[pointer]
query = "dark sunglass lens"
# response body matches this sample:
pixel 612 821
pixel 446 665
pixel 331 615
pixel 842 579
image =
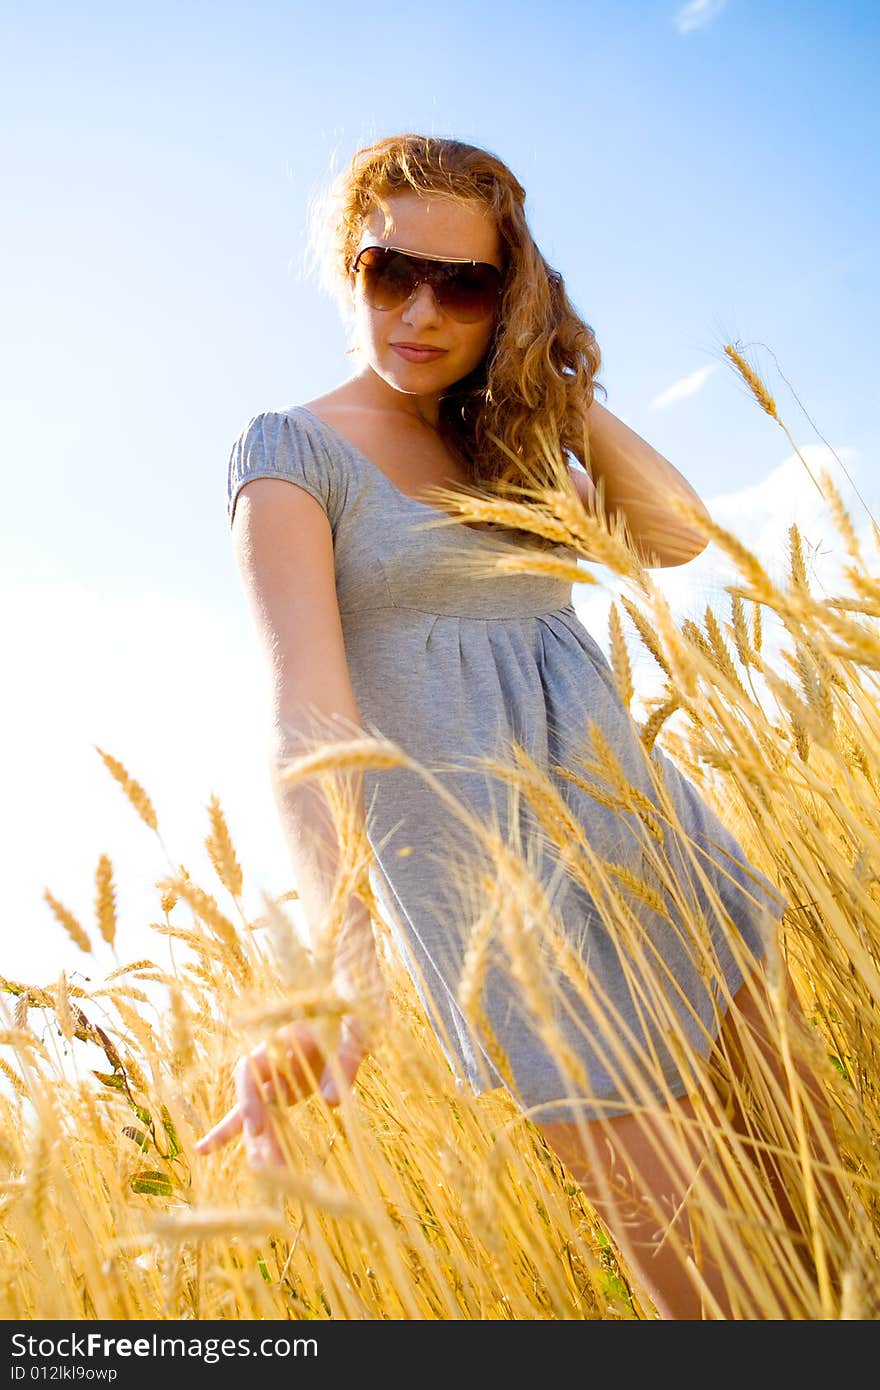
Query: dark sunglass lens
pixel 399 277
pixel 470 292
pixel 388 278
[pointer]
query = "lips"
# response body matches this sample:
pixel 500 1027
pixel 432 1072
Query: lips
pixel 411 352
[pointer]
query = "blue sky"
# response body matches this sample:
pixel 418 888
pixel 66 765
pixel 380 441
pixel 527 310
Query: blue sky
pixel 699 173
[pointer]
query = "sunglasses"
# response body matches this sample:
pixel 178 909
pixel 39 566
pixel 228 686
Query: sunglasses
pixel 465 290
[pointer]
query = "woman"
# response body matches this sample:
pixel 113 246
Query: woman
pixel 472 359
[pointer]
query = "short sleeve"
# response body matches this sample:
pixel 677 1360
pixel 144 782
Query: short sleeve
pixel 278 444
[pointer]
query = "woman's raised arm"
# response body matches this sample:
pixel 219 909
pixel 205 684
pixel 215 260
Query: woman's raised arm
pixel 637 483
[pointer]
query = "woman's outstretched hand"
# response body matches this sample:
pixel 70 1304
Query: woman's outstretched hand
pixel 286 1072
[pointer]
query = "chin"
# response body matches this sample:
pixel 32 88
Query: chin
pixel 416 379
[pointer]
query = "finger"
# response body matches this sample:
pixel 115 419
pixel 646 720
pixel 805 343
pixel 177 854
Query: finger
pixel 264 1151
pixel 234 1120
pixel 222 1132
pixel 298 1064
pixel 352 1046
pixel 263 1076
pixel 252 1089
pixel 349 1055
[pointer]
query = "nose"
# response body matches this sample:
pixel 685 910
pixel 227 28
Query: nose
pixel 421 307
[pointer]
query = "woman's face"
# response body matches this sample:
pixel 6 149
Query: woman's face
pixel 432 226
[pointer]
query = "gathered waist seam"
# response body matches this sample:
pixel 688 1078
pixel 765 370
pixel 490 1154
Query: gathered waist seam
pixel 467 617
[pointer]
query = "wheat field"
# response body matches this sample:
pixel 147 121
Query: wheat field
pixel 411 1199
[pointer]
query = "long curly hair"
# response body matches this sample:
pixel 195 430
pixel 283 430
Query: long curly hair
pixel 526 403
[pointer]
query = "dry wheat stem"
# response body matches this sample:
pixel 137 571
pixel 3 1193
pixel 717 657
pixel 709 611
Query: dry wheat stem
pixel 133 790
pixel 105 900
pixel 221 850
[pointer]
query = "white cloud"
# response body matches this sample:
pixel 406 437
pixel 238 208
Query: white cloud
pixel 684 387
pixel 698 14
pixel 763 514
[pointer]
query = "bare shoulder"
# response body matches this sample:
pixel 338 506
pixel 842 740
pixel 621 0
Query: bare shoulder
pixel 338 400
pixel 268 513
pixel 283 547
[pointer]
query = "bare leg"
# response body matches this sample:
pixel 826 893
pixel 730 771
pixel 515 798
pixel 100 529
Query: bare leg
pixel 656 1178
pixel 631 1173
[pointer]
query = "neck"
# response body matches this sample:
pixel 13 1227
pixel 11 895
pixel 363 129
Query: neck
pixel 376 392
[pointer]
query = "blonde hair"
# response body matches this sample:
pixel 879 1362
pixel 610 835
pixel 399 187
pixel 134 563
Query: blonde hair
pixel 528 399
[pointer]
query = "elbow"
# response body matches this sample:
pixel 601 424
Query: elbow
pixel 688 543
pixel 685 551
pixel 673 548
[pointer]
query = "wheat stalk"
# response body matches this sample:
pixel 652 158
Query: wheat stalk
pixel 74 929
pixel 646 633
pixel 105 900
pixel 221 850
pixel 741 632
pixel 654 723
pixel 133 790
pixel 720 654
pixel 840 516
pixel 767 403
pixel 205 906
pixel 62 1008
pixel 14 1079
pixel 620 662
pixel 353 754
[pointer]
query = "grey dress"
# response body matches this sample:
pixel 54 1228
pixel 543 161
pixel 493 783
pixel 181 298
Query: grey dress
pixel 453 668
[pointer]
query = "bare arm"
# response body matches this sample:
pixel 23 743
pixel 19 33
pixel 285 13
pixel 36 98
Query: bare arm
pixel 636 481
pixel 283 547
pixel 284 550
